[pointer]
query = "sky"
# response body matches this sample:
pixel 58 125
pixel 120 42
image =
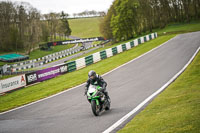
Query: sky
pixel 68 6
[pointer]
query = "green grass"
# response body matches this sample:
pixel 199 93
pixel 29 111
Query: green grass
pixel 96 42
pixel 85 27
pixel 40 53
pixel 6 76
pixel 180 28
pixel 2 63
pixel 58 38
pixel 176 110
pixel 60 83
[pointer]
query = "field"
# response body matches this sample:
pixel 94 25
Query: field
pixel 180 28
pixel 85 27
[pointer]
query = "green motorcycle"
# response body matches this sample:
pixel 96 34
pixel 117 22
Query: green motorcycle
pixel 97 99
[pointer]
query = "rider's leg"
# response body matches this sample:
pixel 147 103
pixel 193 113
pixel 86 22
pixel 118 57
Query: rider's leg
pixel 106 94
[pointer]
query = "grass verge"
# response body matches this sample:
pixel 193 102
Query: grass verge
pixel 180 28
pixel 60 83
pixel 40 53
pixel 176 110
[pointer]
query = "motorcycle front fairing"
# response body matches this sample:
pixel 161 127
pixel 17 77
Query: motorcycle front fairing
pixel 92 93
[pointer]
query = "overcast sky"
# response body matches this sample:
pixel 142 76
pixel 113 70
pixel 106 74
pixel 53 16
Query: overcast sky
pixel 68 6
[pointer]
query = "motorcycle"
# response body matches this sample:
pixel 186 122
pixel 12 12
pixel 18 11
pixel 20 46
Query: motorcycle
pixel 97 99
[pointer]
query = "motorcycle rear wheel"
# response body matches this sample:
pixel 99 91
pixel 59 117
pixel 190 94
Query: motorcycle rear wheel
pixel 108 106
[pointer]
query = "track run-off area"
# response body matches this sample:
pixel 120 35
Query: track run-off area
pixel 128 86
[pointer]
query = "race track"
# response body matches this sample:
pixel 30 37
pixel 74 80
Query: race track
pixel 128 86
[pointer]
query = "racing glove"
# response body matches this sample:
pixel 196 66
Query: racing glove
pixel 85 91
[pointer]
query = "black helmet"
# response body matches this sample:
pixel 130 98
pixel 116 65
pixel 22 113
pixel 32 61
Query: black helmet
pixel 92 74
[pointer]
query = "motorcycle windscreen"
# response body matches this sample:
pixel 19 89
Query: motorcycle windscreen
pixel 91 88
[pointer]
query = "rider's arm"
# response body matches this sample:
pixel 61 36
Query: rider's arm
pixel 87 84
pixel 104 84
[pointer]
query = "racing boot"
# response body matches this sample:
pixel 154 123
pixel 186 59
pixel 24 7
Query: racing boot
pixel 107 96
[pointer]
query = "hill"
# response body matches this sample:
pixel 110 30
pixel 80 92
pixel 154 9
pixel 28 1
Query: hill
pixel 85 27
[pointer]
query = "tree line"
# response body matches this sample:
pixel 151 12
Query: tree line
pixel 126 19
pixel 87 13
pixel 23 27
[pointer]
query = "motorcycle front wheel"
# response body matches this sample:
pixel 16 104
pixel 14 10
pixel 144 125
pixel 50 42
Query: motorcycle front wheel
pixel 95 108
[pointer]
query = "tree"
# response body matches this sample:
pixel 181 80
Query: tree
pixel 105 27
pixel 64 27
pixel 22 27
pixel 128 18
pixel 45 31
pixel 122 22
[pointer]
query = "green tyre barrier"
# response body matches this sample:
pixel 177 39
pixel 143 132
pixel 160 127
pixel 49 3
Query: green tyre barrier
pixel 145 39
pixel 150 38
pixel 124 47
pixel 103 55
pixel 132 44
pixel 71 66
pixel 89 60
pixel 114 50
pixel 139 41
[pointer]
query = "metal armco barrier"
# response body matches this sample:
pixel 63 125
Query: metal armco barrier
pixel 48 73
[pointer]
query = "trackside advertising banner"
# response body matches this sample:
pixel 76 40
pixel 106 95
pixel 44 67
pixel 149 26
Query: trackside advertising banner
pixel 45 74
pixel 12 83
pixel 83 40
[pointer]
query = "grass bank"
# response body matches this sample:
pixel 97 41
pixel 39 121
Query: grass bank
pixel 85 27
pixel 176 110
pixel 179 28
pixel 60 83
pixel 40 53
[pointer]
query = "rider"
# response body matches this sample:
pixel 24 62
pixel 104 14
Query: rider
pixel 96 79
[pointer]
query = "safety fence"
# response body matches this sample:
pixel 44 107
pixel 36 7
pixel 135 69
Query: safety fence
pixel 48 73
pixel 30 63
pixel 46 59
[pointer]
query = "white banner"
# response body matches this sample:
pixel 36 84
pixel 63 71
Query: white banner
pixel 12 83
pixel 81 40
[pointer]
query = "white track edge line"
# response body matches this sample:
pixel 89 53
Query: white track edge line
pixel 119 122
pixel 84 83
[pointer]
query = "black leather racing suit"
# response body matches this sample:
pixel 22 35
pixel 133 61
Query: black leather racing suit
pixel 98 80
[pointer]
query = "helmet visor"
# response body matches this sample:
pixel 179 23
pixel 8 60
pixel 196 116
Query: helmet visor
pixel 92 77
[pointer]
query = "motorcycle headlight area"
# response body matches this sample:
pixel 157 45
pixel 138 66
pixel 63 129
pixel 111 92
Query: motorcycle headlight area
pixel 94 94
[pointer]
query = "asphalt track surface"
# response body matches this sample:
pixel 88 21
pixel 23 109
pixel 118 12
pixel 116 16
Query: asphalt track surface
pixel 128 86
